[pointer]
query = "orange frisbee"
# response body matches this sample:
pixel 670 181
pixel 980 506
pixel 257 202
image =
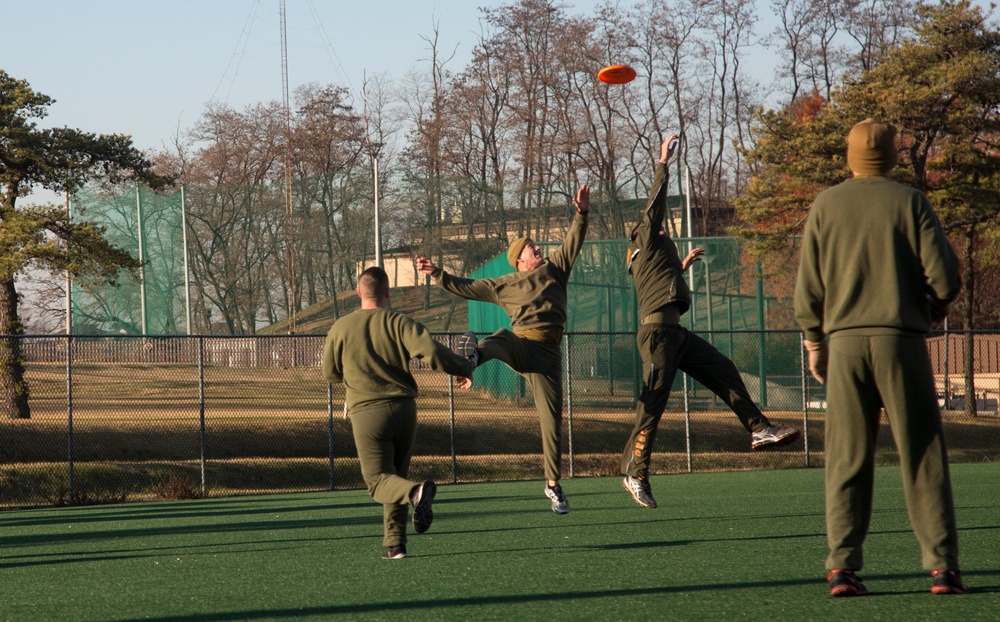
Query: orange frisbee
pixel 616 74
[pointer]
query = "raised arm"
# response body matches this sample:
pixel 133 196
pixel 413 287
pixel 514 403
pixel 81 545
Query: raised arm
pixel 656 206
pixel 565 255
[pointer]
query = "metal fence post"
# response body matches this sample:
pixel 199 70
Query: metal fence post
pixel 611 349
pixel 201 414
pixel 947 388
pixel 329 429
pixel 761 341
pixel 805 397
pixel 569 401
pixel 451 429
pixel 69 416
pixel 687 423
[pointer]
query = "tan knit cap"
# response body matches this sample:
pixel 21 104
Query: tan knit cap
pixel 871 148
pixel 514 250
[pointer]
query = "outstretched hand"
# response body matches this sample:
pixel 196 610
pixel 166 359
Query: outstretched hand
pixel 424 265
pixel 463 383
pixel 582 200
pixel 693 256
pixel 668 147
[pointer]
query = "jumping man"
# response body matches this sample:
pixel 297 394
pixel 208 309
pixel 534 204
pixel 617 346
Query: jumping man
pixel 535 299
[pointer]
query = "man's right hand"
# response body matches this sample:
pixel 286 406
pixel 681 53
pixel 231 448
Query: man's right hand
pixel 819 359
pixel 668 147
pixel 424 265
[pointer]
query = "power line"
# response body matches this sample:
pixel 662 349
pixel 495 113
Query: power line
pixel 238 54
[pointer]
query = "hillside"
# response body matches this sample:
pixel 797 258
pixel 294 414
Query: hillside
pixel 446 313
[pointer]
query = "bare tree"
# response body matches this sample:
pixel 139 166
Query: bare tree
pixel 876 26
pixel 236 212
pixel 330 142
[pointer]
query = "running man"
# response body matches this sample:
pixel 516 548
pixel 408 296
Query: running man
pixel 369 351
pixel 535 299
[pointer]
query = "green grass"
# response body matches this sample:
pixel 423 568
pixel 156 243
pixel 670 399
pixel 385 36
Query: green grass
pixel 745 545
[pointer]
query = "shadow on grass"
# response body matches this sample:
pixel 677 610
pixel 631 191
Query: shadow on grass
pixel 213 549
pixel 520 599
pixel 372 519
pixel 157 510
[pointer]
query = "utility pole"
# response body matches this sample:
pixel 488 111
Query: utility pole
pixel 289 221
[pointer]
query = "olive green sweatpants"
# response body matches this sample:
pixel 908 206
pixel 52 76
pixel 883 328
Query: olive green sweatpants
pixel 384 435
pixel 541 365
pixel 867 373
pixel 665 348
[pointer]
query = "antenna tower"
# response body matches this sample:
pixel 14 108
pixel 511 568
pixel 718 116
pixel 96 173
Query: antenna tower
pixel 289 222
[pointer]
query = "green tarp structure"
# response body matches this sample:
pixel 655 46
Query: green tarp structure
pixel 156 305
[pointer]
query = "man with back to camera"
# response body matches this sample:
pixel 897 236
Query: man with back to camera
pixel 876 269
pixel 369 351
pixel 665 346
pixel 535 299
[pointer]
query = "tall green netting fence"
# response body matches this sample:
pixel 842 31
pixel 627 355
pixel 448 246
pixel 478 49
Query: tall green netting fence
pixel 602 308
pixel 150 226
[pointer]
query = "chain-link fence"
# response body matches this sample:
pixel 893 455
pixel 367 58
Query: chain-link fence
pixel 118 419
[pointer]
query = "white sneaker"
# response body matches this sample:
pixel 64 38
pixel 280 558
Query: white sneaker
pixel 640 490
pixel 468 347
pixel 773 436
pixel 559 503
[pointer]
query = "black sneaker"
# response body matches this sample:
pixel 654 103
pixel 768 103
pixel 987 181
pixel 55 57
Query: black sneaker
pixel 468 347
pixel 845 583
pixel 948 582
pixel 773 436
pixel 394 552
pixel 421 499
pixel 559 503
pixel 641 492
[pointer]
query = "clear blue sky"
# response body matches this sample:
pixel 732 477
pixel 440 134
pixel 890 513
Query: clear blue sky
pixel 147 67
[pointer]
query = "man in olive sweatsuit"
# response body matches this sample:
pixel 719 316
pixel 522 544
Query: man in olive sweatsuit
pixel 876 269
pixel 665 346
pixel 369 351
pixel 535 299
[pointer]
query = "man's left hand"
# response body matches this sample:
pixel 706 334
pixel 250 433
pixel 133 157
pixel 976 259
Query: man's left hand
pixel 693 256
pixel 582 200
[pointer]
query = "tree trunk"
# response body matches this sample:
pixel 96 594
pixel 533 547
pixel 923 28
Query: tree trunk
pixel 13 388
pixel 970 295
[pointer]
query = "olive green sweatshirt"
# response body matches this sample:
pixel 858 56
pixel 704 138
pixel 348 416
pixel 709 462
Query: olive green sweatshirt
pixel 534 298
pixel 369 350
pixel 653 259
pixel 872 251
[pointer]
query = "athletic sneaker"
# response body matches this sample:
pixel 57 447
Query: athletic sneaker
pixel 641 492
pixel 845 583
pixel 559 503
pixel 468 347
pixel 774 436
pixel 948 582
pixel 394 552
pixel 421 499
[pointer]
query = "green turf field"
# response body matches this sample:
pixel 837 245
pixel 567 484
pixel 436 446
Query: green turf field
pixel 722 546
